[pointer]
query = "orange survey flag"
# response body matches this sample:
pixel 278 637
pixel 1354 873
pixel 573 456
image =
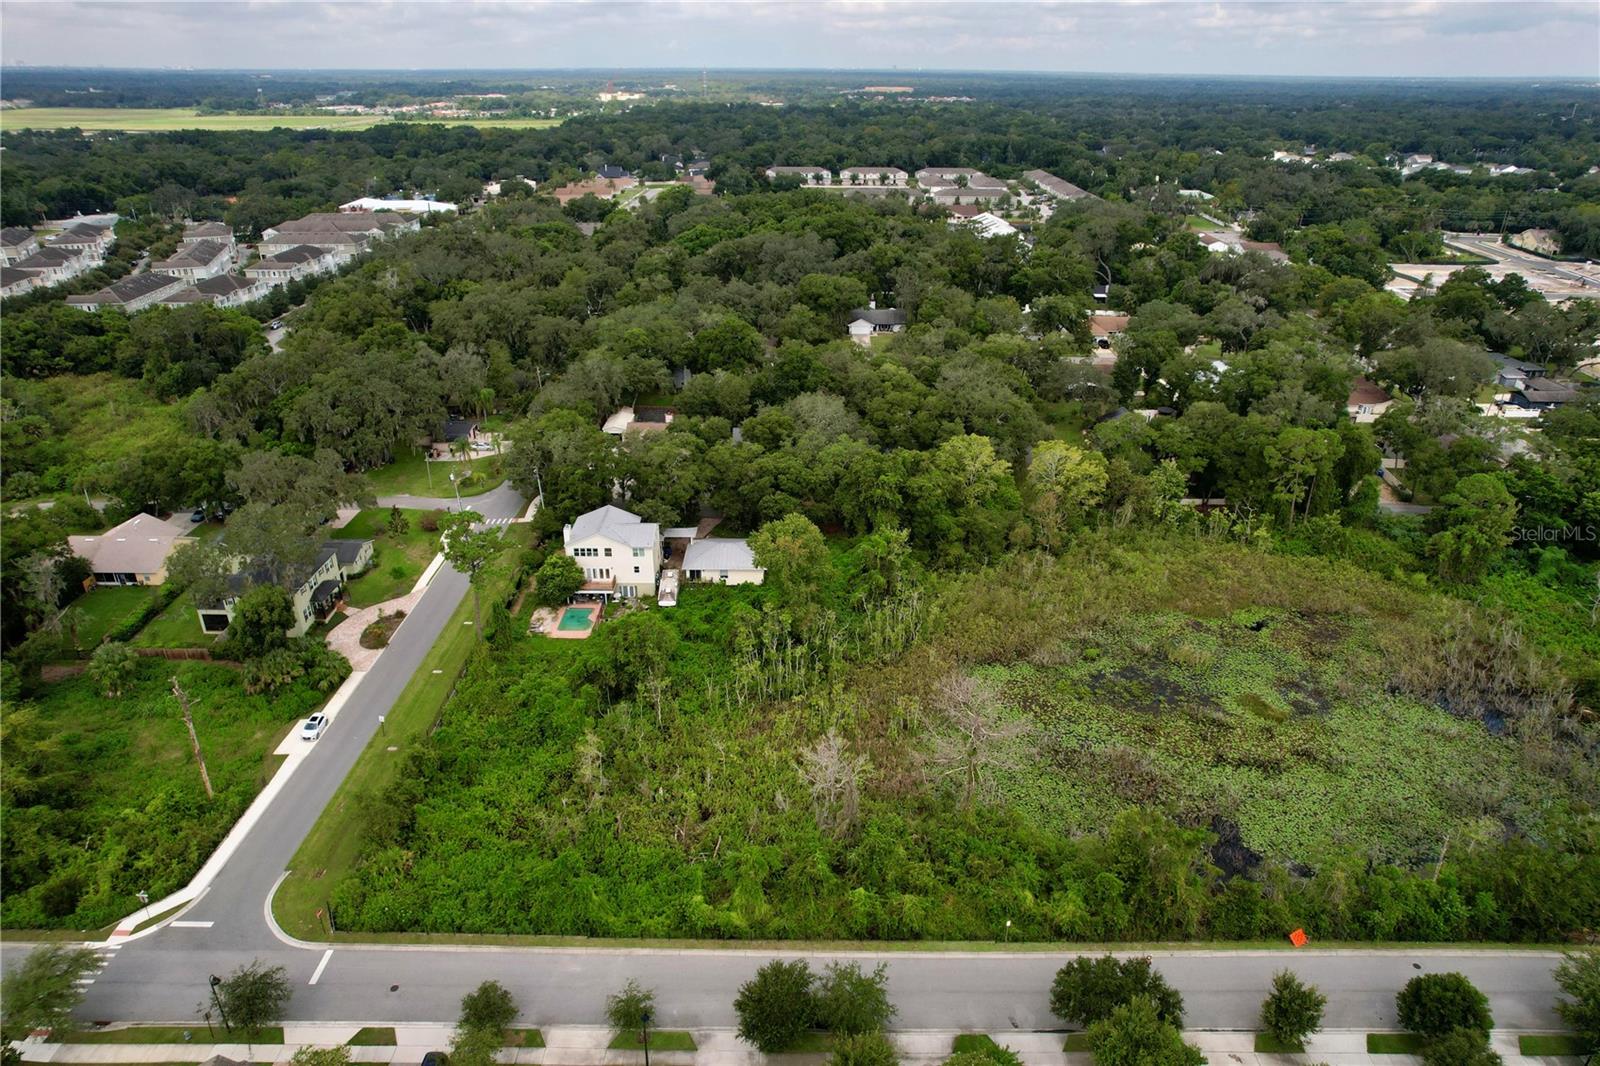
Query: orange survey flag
pixel 1298 938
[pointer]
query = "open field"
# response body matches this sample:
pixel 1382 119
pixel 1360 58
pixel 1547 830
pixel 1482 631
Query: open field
pixel 398 559
pixel 1251 711
pixel 412 475
pixel 142 120
pixel 105 795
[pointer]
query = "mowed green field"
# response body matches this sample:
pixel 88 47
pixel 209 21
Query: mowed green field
pixel 140 119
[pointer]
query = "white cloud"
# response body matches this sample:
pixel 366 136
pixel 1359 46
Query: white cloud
pixel 1356 37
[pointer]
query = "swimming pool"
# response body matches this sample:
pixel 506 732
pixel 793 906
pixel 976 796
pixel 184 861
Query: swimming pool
pixel 576 618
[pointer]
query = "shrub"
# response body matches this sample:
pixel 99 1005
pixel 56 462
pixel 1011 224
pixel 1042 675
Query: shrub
pixel 864 1049
pixel 134 624
pixel 398 523
pixel 112 666
pixel 261 620
pixel 1087 990
pixel 628 1009
pixel 489 1006
pixel 1579 977
pixel 849 1001
pixel 430 521
pixel 1293 1011
pixel 976 1049
pixel 1135 1034
pixel 1438 1003
pixel 777 1005
pixel 1461 1047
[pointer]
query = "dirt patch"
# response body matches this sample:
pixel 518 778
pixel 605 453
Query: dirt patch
pixel 61 671
pixel 1139 688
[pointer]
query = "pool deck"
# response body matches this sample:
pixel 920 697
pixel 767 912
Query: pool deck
pixel 547 621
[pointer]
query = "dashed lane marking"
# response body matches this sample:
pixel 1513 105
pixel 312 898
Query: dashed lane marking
pixel 323 965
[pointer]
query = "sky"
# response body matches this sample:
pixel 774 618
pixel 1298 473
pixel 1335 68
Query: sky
pixel 1398 38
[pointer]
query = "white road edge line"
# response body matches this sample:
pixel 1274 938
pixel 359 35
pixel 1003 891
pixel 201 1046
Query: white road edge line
pixel 323 965
pixel 191 925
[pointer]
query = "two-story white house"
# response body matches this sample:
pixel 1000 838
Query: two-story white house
pixel 620 553
pixel 16 244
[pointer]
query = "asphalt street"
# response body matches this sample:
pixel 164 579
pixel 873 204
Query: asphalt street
pixel 162 977
pixel 1492 248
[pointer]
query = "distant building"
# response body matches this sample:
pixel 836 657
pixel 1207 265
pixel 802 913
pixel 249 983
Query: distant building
pixel 612 172
pixel 291 264
pixel 873 176
pixel 985 224
pixel 318 587
pixel 16 244
pixel 14 282
pixel 1367 401
pixel 1057 188
pixel 869 322
pixel 409 207
pixel 1195 194
pixel 807 175
pixel 198 259
pixel 55 265
pixel 644 420
pixel 1106 328
pixel 232 290
pixel 132 293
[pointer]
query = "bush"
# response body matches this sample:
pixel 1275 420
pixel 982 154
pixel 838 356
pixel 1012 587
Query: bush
pixel 131 626
pixel 1293 1011
pixel 398 523
pixel 261 622
pixel 976 1049
pixel 629 1009
pixel 430 521
pixel 851 1002
pixel 777 1005
pixel 1461 1047
pixel 1435 1004
pixel 1135 1034
pixel 863 1049
pixel 489 1006
pixel 1579 977
pixel 1088 990
pixel 112 667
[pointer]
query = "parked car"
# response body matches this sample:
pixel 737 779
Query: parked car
pixel 277 323
pixel 199 515
pixel 480 446
pixel 314 726
pixel 436 1058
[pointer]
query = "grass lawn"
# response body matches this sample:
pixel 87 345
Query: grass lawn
pixel 979 1043
pixel 660 1040
pixel 398 559
pixel 1551 1044
pixel 145 119
pixel 332 845
pixel 409 476
pixel 1267 1044
pixel 373 1036
pixel 168 1034
pixel 1076 1042
pixel 176 627
pixel 105 607
pixel 1394 1044
pixel 118 806
pixel 528 1038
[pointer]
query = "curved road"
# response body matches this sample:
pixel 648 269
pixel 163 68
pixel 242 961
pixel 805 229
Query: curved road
pixel 162 976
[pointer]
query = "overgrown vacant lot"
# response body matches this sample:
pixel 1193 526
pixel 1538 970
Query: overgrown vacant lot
pixel 102 796
pixel 1189 740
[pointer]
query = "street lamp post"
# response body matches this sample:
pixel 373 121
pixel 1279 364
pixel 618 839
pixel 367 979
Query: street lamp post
pixel 217 999
pixel 645 1020
pixel 455 484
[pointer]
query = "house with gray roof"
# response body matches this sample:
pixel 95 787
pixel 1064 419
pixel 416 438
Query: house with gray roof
pixel 16 244
pixel 194 260
pixel 1058 188
pixel 133 293
pixel 723 561
pixel 865 323
pixel 133 553
pixel 619 552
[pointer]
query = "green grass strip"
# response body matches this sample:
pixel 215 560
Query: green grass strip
pixel 1394 1044
pixel 529 1038
pixel 660 1040
pixel 373 1036
pixel 1076 1042
pixel 1267 1044
pixel 1551 1044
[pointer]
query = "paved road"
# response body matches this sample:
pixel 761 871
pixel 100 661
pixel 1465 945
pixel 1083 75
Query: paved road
pixel 1526 263
pixel 162 977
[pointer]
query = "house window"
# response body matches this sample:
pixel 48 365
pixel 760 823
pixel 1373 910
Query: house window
pixel 636 569
pixel 585 553
pixel 638 553
pixel 608 553
pixel 722 576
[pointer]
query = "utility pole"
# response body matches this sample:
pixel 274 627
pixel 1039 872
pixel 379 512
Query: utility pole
pixel 194 741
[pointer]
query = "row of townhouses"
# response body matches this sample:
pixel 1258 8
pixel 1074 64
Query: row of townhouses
pixel 32 259
pixel 205 267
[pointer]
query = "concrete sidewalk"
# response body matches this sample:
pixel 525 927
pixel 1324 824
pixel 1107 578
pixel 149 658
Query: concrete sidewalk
pixel 586 1045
